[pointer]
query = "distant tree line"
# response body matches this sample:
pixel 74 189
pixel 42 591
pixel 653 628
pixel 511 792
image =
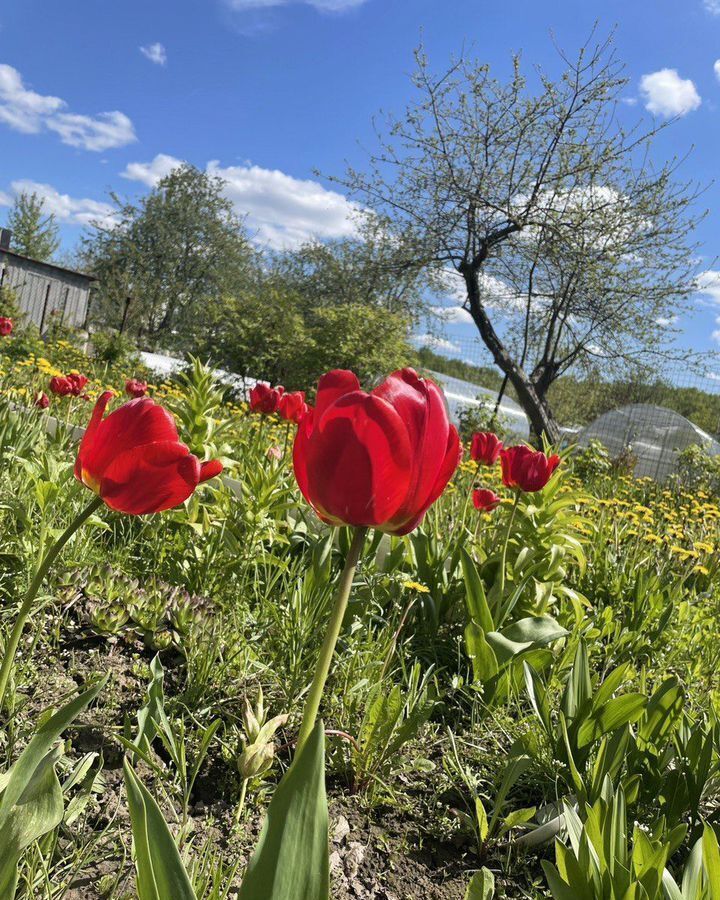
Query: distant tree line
pixel 177 272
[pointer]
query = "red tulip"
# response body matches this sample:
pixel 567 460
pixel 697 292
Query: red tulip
pixel 486 447
pixel 77 383
pixel 134 460
pixel 485 500
pixel 526 469
pixel 6 326
pixel 293 406
pixel 377 459
pixel 42 401
pixel 265 399
pixel 61 386
pixel 135 388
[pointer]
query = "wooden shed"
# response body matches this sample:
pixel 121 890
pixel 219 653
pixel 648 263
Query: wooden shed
pixel 45 292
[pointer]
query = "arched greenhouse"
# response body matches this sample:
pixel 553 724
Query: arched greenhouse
pixel 654 435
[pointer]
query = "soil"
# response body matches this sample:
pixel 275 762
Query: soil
pixel 376 854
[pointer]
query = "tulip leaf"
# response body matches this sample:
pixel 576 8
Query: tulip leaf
pixel 161 874
pixel 484 662
pixel 534 631
pixel 38 810
pixel 31 801
pixel 291 858
pixel 475 593
pixel 482 886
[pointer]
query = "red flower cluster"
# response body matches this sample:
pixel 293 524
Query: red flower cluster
pixel 6 326
pixel 68 385
pixel 265 399
pixel 526 469
pixel 42 401
pixel 135 460
pixel 522 467
pixel 135 388
pixel 377 459
pixel 292 406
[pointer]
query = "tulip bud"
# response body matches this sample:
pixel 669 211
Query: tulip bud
pixel 256 759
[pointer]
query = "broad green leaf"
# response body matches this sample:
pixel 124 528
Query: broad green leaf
pixel 21 773
pixel 160 871
pixel 37 812
pixel 484 662
pixel 663 710
pixel 482 886
pixel 534 631
pixel 291 858
pixel 31 802
pixel 475 592
pixel 711 862
pixel 482 819
pixel 614 714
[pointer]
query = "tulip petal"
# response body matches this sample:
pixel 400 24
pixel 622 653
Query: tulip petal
pixel 358 463
pixel 210 469
pixel 453 455
pixel 134 424
pixel 331 387
pixel 421 405
pixel 150 478
pixel 89 436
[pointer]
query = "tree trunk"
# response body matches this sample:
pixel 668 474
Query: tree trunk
pixel 533 403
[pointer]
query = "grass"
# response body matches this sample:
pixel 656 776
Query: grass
pixel 436 767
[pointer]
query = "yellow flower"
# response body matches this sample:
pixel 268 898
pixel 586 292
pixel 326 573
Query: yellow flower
pixel 416 586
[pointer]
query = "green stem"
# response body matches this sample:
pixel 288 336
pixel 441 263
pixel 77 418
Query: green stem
pixel 503 559
pixel 241 802
pixel 342 595
pixel 27 602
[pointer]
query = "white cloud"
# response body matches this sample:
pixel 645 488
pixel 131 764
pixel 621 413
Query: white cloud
pixel 24 110
pixel 5 199
pixel 453 315
pixel 156 53
pixel 281 211
pixel 712 6
pixel 716 336
pixel 716 68
pixel 666 321
pixel 713 376
pixel 71 210
pixel 329 6
pixel 102 132
pixel 151 172
pixel 436 343
pixel 708 285
pixel 667 94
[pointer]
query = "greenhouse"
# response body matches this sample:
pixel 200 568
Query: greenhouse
pixel 654 435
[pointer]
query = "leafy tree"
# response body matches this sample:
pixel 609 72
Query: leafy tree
pixel 34 233
pixel 541 202
pixel 163 262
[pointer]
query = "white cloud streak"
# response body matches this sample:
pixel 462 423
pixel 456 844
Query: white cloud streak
pixel 66 209
pixel 156 53
pixel 28 112
pixel 281 211
pixel 667 94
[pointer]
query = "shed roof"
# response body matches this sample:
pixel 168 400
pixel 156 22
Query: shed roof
pixel 47 265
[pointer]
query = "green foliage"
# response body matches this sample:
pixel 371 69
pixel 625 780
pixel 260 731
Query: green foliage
pixel 160 871
pixel 291 857
pixel 698 470
pixel 31 798
pixel 601 863
pixel 34 234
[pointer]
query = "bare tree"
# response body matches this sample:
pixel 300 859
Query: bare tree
pixel 518 191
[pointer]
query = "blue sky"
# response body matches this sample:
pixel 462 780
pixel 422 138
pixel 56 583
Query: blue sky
pixel 97 96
